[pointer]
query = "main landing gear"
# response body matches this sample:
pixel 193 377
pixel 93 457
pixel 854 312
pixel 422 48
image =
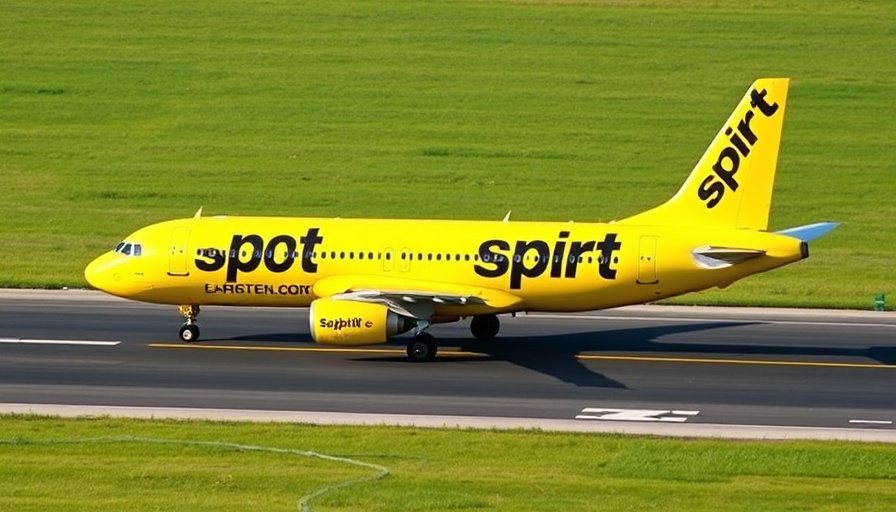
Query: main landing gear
pixel 422 348
pixel 189 331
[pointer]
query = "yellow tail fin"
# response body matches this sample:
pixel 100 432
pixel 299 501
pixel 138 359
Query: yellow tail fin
pixel 731 185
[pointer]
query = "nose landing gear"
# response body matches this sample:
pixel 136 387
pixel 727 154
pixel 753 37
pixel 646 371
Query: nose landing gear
pixel 189 331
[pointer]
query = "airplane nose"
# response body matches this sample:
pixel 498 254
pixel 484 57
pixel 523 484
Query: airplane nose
pixel 101 273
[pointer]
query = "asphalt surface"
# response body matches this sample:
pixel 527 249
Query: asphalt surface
pixel 667 366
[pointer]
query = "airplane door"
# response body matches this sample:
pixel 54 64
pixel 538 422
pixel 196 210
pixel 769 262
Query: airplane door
pixel 387 259
pixel 177 258
pixel 647 261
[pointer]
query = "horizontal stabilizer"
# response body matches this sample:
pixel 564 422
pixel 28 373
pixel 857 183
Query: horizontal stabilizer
pixel 722 257
pixel 809 232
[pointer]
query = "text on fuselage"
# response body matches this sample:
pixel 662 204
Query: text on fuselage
pixel 497 258
pixel 238 260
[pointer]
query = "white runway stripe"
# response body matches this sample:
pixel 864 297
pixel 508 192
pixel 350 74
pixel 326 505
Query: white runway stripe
pixel 59 342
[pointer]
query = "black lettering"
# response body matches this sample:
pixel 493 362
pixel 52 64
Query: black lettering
pixel 489 256
pixel 575 252
pixel 743 127
pixel 519 267
pixel 727 175
pixel 737 142
pixel 742 141
pixel 309 241
pixel 710 188
pixel 607 248
pixel 271 253
pixel 210 260
pixel 236 263
pixel 559 249
pixel 757 100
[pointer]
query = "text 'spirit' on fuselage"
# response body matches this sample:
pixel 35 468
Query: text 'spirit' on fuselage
pixel 497 258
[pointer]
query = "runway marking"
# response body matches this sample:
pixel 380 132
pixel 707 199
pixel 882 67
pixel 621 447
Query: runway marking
pixel 666 416
pixel 462 353
pixel 757 362
pixel 710 320
pixel 59 342
pixel 871 422
pixel 392 351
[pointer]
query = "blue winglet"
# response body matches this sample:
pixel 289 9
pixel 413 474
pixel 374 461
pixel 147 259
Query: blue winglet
pixel 809 232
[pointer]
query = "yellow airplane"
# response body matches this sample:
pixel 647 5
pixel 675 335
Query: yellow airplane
pixel 366 280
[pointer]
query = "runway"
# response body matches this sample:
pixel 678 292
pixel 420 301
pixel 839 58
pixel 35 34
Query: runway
pixel 647 365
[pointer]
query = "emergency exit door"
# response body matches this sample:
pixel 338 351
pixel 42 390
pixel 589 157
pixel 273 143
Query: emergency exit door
pixel 647 260
pixel 177 258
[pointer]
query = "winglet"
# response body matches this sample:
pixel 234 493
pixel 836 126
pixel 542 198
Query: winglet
pixel 809 232
pixel 507 217
pixel 198 213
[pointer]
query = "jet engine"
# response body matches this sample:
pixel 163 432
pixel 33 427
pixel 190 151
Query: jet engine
pixel 347 322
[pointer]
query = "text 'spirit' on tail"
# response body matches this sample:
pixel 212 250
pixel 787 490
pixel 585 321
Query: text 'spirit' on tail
pixel 731 185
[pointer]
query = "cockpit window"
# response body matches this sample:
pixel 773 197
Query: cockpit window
pixel 129 249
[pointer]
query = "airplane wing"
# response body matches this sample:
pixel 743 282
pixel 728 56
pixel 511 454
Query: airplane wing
pixel 415 298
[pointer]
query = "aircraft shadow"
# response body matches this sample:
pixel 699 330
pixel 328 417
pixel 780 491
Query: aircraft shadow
pixel 556 355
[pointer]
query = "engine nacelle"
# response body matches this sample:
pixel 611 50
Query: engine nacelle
pixel 347 322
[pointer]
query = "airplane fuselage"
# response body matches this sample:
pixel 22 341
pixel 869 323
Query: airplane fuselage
pixel 269 261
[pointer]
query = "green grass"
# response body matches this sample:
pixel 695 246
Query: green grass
pixel 109 464
pixel 114 115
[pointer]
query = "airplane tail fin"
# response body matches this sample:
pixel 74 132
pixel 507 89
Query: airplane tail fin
pixel 731 185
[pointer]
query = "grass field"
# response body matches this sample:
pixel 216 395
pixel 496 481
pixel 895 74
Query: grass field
pixel 114 115
pixel 194 466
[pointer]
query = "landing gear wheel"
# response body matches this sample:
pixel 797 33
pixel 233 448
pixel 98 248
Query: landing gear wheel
pixel 485 327
pixel 422 348
pixel 189 332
